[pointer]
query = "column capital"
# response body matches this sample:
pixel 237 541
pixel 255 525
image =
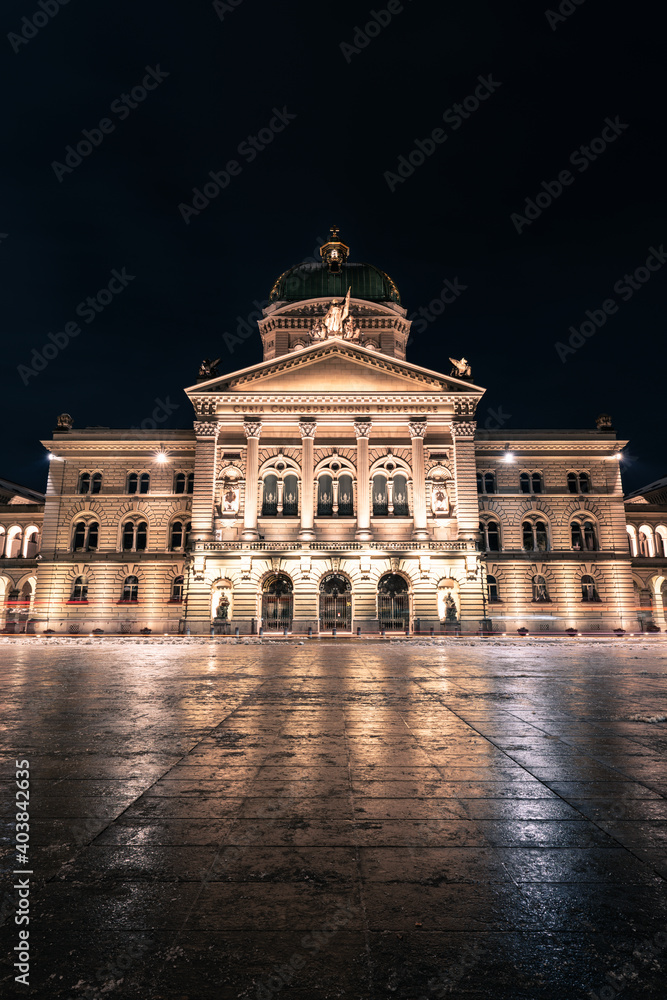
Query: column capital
pixel 362 428
pixel 417 428
pixel 252 428
pixel 205 428
pixel 307 428
pixel 463 428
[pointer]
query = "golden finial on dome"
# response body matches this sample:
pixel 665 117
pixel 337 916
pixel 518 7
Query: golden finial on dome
pixel 335 252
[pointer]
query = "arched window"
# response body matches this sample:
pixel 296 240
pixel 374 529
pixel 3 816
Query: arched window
pixel 190 482
pixel 79 536
pixel 179 482
pixel 14 542
pixel 489 536
pixel 85 536
pixel 584 535
pixel 588 589
pixel 578 482
pixel 132 482
pixel 96 482
pixel 632 539
pixel 179 536
pixel 31 544
pixel 492 592
pixel 325 495
pixel 177 589
pixel 380 498
pixel 3 539
pixel 486 482
pixel 661 541
pixel 142 536
pixel 144 482
pixel 93 534
pixel 84 483
pixel 290 495
pixel 176 539
pixel 79 590
pixel 130 590
pixel 135 536
pixel 646 540
pixel 400 495
pixel 345 496
pixel 270 496
pixel 531 482
pixel 540 590
pixel 535 536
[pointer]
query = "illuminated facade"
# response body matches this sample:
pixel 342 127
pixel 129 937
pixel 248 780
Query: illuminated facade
pixel 334 484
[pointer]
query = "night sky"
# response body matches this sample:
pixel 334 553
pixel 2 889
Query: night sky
pixel 347 111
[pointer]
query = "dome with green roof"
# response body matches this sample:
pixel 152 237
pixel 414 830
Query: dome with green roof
pixel 332 276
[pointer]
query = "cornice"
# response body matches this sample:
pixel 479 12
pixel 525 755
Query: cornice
pixel 118 447
pixel 338 398
pixel 520 446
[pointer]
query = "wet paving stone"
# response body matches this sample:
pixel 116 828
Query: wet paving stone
pixel 348 820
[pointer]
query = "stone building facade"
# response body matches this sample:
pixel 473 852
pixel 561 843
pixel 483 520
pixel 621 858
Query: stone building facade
pixel 646 514
pixel 332 485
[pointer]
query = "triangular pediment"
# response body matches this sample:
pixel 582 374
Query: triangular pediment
pixel 335 366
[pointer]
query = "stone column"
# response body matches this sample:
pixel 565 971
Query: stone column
pixel 417 432
pixel 203 494
pixel 362 429
pixel 252 430
pixel 465 473
pixel 307 428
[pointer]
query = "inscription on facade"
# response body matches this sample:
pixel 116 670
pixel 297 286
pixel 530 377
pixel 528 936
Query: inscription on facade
pixel 342 408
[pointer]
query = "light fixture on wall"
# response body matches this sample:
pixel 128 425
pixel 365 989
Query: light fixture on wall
pixel 161 455
pixel 508 455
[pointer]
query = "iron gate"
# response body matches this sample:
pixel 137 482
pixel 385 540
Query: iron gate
pixel 335 603
pixel 277 604
pixel 335 612
pixel 393 603
pixel 394 611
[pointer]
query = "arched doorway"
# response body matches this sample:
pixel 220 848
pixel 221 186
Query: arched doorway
pixel 335 603
pixel 277 602
pixel 393 602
